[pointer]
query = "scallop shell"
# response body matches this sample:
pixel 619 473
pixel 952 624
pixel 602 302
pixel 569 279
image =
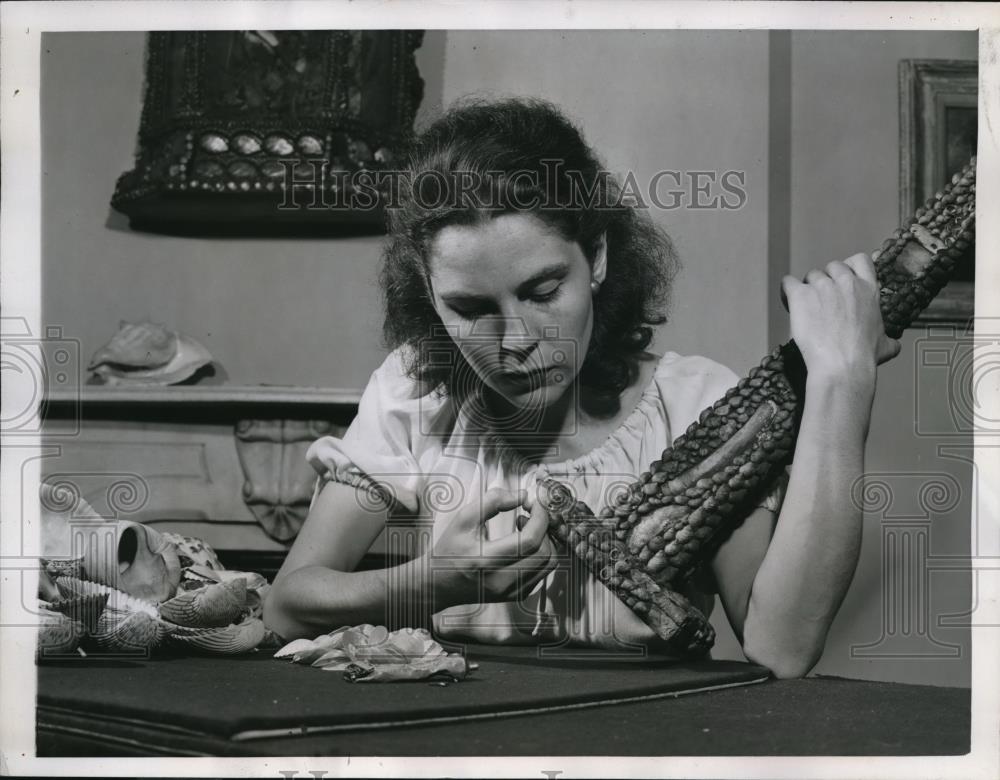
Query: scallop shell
pixel 57 634
pixel 138 345
pixel 218 604
pixel 229 640
pixel 85 610
pixel 71 587
pixel 128 631
pixel 190 357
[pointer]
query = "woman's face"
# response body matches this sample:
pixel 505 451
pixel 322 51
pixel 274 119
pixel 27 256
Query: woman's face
pixel 516 298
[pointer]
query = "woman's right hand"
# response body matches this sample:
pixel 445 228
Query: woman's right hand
pixel 469 568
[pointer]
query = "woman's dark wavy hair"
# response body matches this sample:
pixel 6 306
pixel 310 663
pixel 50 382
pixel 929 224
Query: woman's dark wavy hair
pixel 469 166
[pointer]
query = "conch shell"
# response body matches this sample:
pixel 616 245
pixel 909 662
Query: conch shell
pixel 143 563
pixel 148 354
pixel 218 604
pixel 137 345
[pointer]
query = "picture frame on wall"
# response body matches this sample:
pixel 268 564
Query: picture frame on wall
pixel 938 129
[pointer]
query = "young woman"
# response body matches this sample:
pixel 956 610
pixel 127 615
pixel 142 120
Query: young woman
pixel 520 296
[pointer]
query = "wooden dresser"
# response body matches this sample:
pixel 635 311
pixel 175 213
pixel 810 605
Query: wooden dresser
pixel 223 463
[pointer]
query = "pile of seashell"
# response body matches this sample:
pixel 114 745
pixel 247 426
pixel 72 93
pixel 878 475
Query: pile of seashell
pixel 146 353
pixel 163 591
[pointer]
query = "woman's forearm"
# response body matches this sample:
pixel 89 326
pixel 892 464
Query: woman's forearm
pixel 314 599
pixel 814 551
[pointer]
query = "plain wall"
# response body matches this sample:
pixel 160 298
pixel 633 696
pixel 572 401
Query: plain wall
pixel 845 199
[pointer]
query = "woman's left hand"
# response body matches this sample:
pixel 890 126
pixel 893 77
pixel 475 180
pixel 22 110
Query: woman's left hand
pixel 836 320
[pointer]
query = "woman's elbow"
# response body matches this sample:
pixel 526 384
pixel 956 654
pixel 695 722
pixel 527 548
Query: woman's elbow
pixel 277 618
pixel 783 663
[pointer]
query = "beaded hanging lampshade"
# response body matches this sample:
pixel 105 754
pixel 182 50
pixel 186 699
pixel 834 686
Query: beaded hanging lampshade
pixel 285 131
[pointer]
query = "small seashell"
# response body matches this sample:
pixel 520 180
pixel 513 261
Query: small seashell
pixel 229 640
pixel 241 169
pixel 279 145
pixel 214 605
pixel 208 169
pixel 246 143
pixel 139 345
pixel 293 647
pixel 128 631
pixel 214 143
pixel 273 169
pixel 309 144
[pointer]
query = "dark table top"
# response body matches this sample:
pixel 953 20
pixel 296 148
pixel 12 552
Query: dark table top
pixel 230 707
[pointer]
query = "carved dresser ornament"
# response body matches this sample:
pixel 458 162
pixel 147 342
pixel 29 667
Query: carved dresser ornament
pixel 279 481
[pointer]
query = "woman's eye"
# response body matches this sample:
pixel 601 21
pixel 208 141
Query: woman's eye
pixel 468 314
pixel 549 294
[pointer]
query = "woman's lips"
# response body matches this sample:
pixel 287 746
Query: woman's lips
pixel 534 378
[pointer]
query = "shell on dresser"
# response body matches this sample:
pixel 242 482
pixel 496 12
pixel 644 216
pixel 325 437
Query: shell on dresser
pixel 137 345
pixel 228 640
pixel 189 358
pixel 214 605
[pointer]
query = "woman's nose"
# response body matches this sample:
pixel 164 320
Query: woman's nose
pixel 516 337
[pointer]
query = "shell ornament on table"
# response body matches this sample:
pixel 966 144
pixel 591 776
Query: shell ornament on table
pixel 135 591
pixel 146 353
pixel 128 624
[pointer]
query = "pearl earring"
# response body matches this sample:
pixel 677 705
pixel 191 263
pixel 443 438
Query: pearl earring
pixel 594 286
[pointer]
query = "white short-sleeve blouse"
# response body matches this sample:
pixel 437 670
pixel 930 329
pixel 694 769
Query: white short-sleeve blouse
pixel 433 458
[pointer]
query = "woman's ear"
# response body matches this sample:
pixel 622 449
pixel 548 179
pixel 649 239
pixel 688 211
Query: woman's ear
pixel 599 270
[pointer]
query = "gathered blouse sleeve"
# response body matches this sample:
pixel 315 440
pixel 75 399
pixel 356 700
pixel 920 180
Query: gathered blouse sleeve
pixel 386 446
